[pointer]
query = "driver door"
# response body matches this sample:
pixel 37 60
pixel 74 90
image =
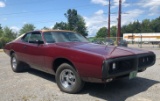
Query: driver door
pixel 35 51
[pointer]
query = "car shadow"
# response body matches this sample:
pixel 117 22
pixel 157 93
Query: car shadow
pixel 118 90
pixel 41 74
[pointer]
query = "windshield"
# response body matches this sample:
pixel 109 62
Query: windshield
pixel 52 37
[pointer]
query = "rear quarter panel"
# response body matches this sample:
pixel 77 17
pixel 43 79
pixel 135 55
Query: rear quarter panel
pixel 15 46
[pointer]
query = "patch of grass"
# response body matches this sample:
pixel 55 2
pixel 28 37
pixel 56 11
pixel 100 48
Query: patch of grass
pixel 25 98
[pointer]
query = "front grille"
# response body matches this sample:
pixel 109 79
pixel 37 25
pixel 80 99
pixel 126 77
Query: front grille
pixel 125 65
pixel 120 66
pixel 145 61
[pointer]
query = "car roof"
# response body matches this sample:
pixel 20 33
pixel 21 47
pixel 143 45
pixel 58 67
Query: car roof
pixel 49 31
pixel 56 31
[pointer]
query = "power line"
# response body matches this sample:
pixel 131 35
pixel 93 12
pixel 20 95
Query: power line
pixel 26 3
pixel 44 10
pixel 51 21
pixel 128 13
pixel 49 10
pixel 41 14
pixel 36 22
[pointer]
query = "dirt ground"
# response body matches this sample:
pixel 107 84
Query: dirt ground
pixel 34 85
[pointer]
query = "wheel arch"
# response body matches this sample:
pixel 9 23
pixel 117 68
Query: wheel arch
pixel 57 62
pixel 11 52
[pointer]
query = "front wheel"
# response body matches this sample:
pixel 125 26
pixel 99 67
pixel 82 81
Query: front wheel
pixel 68 79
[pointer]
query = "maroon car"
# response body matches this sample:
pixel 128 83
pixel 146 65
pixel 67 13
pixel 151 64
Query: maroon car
pixel 74 60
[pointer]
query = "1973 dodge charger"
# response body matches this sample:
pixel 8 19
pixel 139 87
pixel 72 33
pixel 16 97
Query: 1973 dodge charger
pixel 73 60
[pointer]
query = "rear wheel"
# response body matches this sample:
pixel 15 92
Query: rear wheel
pixel 16 65
pixel 68 79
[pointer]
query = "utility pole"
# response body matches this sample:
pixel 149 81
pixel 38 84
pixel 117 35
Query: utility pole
pixel 119 21
pixel 109 7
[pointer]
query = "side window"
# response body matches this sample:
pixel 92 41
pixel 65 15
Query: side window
pixel 26 37
pixel 49 37
pixel 35 36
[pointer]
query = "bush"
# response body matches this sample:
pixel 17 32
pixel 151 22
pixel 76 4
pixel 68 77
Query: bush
pixel 3 41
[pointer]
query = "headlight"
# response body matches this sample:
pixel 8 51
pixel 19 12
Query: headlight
pixel 113 66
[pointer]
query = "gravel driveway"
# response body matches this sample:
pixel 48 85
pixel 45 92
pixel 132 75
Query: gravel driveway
pixel 38 86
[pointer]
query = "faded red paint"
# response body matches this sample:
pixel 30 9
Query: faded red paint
pixel 87 58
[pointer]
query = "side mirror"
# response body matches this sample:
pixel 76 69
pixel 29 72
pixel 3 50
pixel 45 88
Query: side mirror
pixel 37 42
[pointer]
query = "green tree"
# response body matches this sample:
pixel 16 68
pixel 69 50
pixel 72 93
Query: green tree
pixel 6 35
pixel 0 26
pixel 62 25
pixel 1 31
pixel 113 31
pixel 72 18
pixel 81 26
pixel 1 34
pixel 137 27
pixel 128 28
pixel 3 41
pixel 156 24
pixel 76 22
pixel 146 26
pixel 27 28
pixel 102 33
pixel 45 28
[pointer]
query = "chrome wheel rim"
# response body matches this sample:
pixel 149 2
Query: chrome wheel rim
pixel 14 63
pixel 67 79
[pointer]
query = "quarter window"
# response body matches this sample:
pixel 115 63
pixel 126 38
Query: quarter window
pixel 35 36
pixel 26 37
pixel 49 37
pixel 32 37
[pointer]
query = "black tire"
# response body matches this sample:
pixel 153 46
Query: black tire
pixel 16 65
pixel 71 82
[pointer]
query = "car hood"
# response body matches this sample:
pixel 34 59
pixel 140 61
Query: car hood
pixel 105 51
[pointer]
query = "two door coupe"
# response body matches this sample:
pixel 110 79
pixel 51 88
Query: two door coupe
pixel 74 60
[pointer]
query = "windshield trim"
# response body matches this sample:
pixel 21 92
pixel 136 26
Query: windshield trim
pixel 61 36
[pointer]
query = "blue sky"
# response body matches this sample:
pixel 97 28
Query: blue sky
pixel 16 13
